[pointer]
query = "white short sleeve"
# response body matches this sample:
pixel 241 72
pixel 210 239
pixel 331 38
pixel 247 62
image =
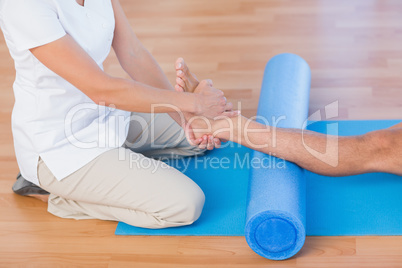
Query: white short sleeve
pixel 31 23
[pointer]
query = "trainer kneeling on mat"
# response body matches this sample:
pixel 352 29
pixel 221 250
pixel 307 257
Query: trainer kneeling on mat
pixel 88 138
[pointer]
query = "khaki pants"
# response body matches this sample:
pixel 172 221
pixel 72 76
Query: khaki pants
pixel 126 184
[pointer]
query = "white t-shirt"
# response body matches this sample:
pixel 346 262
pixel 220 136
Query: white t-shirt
pixel 51 118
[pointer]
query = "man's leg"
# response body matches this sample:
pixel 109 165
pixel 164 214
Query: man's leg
pixel 377 151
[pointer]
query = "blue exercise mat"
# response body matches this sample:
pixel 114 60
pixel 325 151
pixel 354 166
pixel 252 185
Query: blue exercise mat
pixel 273 209
pixel 368 204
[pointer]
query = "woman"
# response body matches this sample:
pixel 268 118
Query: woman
pixel 88 138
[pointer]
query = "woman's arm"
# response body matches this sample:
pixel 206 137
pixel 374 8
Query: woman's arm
pixel 67 59
pixel 141 66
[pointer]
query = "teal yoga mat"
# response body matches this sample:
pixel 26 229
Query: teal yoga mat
pixel 368 204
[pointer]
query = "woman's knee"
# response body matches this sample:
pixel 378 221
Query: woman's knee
pixel 194 206
pixel 187 207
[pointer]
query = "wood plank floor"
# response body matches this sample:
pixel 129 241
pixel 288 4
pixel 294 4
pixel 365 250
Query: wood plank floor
pixel 354 49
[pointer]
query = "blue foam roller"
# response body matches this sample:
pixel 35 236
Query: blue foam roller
pixel 276 203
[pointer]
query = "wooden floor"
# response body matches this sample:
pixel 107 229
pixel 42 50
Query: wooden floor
pixel 355 51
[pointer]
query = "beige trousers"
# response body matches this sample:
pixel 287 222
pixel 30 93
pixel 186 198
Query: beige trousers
pixel 127 184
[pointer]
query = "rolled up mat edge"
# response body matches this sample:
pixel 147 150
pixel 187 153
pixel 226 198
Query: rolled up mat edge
pixel 259 228
pixel 275 217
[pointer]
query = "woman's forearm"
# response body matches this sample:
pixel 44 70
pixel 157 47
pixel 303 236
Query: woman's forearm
pixel 67 59
pixel 142 67
pixel 134 96
pixel 135 59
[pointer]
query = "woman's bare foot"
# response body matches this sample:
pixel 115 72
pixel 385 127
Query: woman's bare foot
pixel 186 81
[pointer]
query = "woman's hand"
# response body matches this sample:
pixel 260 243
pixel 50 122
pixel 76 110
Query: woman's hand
pixel 205 142
pixel 211 102
pixel 206 94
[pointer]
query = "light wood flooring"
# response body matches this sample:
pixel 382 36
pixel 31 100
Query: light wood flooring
pixel 354 48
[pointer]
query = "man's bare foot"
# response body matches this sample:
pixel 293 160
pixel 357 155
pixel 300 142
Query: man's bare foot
pixel 186 81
